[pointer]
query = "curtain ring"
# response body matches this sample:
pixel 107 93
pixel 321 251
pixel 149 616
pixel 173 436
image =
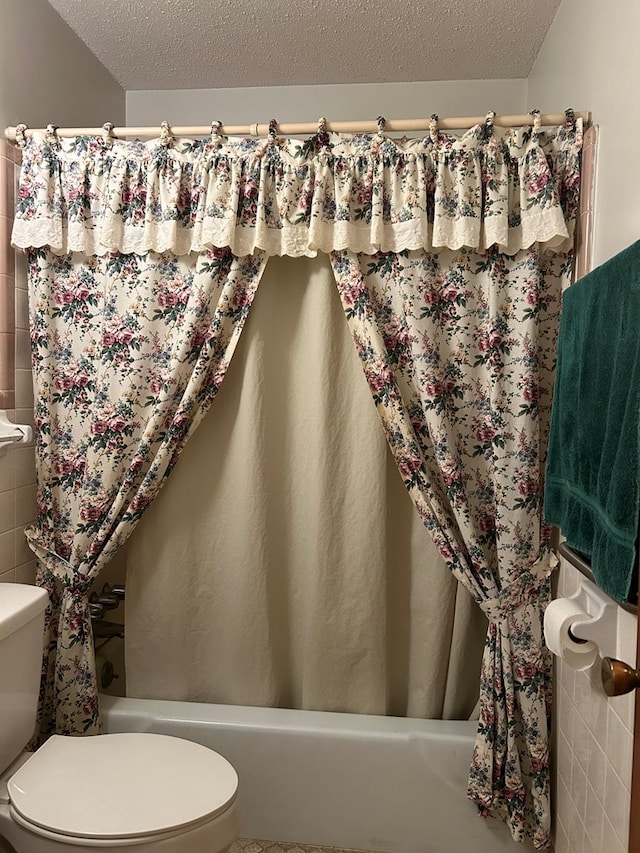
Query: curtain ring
pixel 536 121
pixel 382 122
pixel 165 134
pixel 107 134
pixel 52 135
pixel 488 121
pixel 21 139
pixel 433 127
pixel 322 135
pixel 569 118
pixel 215 133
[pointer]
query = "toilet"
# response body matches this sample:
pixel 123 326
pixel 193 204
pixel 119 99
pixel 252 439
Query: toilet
pixel 125 792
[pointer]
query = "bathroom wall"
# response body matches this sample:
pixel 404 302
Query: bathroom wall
pixel 340 103
pixel 17 466
pixel 46 74
pixel 590 60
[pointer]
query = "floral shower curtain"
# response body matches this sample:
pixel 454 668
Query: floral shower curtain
pixel 449 253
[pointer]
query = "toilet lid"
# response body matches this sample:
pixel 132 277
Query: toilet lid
pixel 121 785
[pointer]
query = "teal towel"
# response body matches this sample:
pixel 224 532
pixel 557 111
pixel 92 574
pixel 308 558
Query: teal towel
pixel 592 490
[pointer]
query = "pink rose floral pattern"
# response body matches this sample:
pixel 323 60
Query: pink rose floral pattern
pixel 128 354
pixel 450 254
pixel 455 360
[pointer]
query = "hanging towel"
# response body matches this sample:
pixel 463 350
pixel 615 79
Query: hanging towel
pixel 592 490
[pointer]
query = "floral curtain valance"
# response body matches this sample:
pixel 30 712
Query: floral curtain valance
pixel 364 193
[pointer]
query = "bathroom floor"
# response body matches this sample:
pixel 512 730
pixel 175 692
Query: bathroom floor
pixel 251 845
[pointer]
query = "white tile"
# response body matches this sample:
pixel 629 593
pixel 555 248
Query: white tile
pixel 24 416
pixel 620 748
pixel 582 694
pixel 580 740
pixel 624 707
pixel 21 270
pixel 627 637
pixel 22 309
pixel 600 710
pixel 617 803
pixel 563 804
pixel 579 790
pixel 561 844
pixel 7 511
pixel 25 505
pixel 594 814
pixel 611 842
pixel 7 468
pixel 571 578
pixel 23 553
pixel 564 759
pixel 575 831
pixel 23 349
pixel 589 844
pixel 565 715
pixel 26 573
pixel 597 770
pixel 7 555
pixel 25 465
pixel 8 577
pixel 24 389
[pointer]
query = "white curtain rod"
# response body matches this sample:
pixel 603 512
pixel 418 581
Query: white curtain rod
pixel 392 126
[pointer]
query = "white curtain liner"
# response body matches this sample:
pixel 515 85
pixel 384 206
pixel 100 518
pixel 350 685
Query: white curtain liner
pixel 291 197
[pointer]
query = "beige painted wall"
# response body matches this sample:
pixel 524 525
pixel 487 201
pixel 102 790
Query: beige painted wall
pixel 590 60
pixel 48 75
pixel 340 103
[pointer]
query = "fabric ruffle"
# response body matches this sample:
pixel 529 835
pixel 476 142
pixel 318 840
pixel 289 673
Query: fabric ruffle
pixel 364 193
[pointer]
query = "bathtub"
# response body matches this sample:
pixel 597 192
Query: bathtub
pixel 338 780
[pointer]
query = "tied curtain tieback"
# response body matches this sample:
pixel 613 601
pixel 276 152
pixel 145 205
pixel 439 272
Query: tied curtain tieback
pixel 523 591
pixel 449 254
pixel 56 568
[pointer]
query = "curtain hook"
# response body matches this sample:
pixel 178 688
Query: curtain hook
pixel 165 134
pixel 322 135
pixel 215 133
pixel 433 127
pixel 52 135
pixel 536 121
pixel 569 117
pixel 382 122
pixel 107 134
pixel 21 139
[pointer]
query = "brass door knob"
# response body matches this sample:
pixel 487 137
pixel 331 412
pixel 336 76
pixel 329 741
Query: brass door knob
pixel 618 677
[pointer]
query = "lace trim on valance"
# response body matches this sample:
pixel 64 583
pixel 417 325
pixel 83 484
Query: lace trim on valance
pixel 365 193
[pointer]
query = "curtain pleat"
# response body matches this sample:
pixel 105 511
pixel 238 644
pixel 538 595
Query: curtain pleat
pixel 285 564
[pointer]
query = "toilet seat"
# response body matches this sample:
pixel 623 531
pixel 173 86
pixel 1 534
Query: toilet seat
pixel 120 787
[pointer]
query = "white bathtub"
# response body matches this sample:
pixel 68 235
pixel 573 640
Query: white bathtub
pixel 343 780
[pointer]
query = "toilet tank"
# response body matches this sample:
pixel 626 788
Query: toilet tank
pixel 22 610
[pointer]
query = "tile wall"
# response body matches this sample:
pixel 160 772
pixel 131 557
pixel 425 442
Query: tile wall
pixel 17 462
pixel 594 747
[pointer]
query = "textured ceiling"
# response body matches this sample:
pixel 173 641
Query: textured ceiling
pixel 195 44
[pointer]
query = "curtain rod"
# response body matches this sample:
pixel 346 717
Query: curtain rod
pixel 286 129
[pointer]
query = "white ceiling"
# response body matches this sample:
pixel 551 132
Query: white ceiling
pixel 195 44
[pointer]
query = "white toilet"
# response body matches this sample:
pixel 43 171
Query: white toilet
pixel 126 792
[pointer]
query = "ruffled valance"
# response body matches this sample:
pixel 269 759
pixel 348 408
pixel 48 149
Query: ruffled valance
pixel 365 193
